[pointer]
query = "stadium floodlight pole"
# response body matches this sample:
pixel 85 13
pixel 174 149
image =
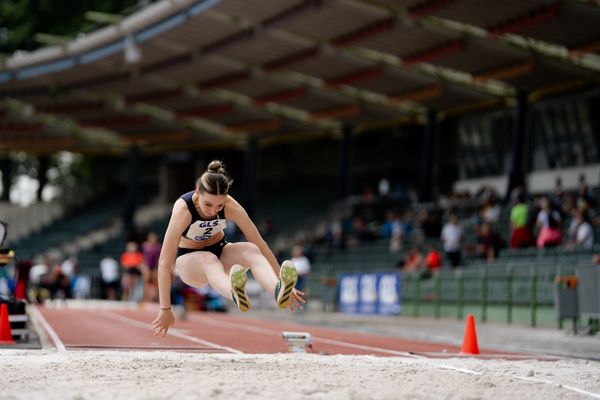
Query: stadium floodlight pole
pixel 582 59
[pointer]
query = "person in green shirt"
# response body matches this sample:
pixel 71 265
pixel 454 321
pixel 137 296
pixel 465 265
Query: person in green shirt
pixel 521 235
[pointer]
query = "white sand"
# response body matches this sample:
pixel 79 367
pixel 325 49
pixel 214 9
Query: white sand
pixel 45 374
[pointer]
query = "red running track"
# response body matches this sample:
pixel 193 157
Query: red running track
pixel 215 332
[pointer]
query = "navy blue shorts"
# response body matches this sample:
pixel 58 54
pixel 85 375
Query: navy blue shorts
pixel 216 249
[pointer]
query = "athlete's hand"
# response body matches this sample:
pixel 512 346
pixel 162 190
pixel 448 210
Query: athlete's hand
pixel 297 300
pixel 163 322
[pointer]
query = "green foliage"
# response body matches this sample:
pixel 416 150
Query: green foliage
pixel 20 20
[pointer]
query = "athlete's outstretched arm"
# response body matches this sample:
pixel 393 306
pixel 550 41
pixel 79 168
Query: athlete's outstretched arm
pixel 180 218
pixel 235 212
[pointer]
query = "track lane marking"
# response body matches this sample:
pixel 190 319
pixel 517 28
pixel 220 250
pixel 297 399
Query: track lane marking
pixel 174 332
pixel 60 346
pixel 568 387
pixel 337 343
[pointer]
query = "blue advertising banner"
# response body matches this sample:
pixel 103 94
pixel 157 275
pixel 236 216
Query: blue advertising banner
pixel 389 289
pixel 368 296
pixel 370 293
pixel 348 291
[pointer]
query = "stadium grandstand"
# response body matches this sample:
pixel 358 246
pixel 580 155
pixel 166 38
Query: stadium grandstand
pixel 352 127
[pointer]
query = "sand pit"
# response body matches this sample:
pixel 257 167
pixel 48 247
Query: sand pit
pixel 45 374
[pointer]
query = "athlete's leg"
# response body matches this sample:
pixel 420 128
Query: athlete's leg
pixel 200 268
pixel 248 255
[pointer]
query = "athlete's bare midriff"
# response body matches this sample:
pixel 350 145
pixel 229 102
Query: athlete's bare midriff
pixel 186 243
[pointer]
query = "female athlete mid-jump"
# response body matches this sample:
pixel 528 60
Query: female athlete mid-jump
pixel 196 245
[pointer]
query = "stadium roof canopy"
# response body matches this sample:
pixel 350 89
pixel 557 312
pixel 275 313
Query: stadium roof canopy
pixel 183 74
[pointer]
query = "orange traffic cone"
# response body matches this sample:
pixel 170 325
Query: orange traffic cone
pixel 5 333
pixel 470 340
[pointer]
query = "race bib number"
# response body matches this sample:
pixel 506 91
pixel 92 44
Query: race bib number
pixel 204 230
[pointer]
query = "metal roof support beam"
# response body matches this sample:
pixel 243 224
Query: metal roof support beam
pixel 51 40
pixel 210 89
pixel 443 74
pixel 542 14
pixel 518 69
pixel 429 6
pixel 300 115
pixel 448 75
pixel 258 126
pixel 334 85
pixel 267 68
pixel 197 125
pixel 275 108
pixel 66 126
pixel 538 47
pixel 102 17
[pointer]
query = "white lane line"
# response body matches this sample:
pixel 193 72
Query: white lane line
pixel 173 332
pixel 49 330
pixel 340 343
pixel 569 387
pixel 273 332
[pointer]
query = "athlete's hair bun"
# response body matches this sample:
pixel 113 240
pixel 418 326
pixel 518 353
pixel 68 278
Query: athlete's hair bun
pixel 216 166
pixel 215 179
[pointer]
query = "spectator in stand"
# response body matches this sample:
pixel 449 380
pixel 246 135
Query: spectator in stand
pixel 433 259
pixel 69 266
pixel 265 226
pixel 109 272
pixel 22 269
pixel 521 235
pixel 151 251
pixel 367 195
pixel 384 187
pixel 452 234
pixel 132 262
pixel 386 227
pixel 302 264
pixel 398 229
pixel 415 263
pixel 428 225
pixel 582 231
pixel 584 197
pixel 490 212
pixel 549 225
pixel 489 242
pixel 568 205
pixel 58 283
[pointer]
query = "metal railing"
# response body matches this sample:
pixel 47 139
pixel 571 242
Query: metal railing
pixel 509 289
